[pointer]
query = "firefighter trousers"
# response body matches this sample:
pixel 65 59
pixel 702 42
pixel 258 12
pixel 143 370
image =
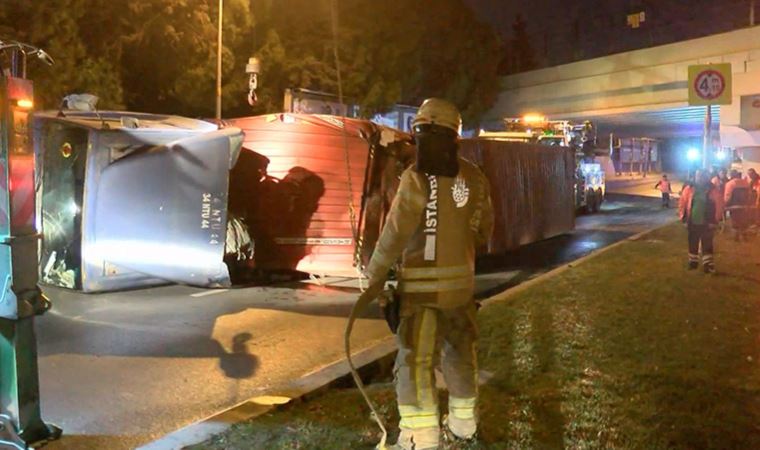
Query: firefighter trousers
pixel 426 336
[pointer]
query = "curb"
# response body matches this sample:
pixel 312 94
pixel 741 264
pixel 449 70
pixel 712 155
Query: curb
pixel 377 356
pixel 554 272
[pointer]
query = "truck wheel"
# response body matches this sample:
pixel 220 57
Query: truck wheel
pixel 599 199
pixel 590 202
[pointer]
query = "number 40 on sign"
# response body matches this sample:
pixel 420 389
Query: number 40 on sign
pixel 710 84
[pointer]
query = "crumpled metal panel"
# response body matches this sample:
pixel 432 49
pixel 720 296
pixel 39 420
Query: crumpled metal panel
pixel 162 211
pixel 531 189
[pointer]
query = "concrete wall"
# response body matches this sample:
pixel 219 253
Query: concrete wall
pixel 646 79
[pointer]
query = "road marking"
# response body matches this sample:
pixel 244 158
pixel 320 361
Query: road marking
pixel 209 292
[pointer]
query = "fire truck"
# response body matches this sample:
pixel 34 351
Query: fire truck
pixel 580 138
pixel 530 129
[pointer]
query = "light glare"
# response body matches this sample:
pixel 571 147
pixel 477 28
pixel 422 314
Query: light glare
pixel 25 103
pixel 533 118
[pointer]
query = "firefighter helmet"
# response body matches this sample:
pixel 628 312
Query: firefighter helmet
pixel 437 111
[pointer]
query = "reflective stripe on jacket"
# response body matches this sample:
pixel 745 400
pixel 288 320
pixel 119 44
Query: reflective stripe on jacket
pixel 436 223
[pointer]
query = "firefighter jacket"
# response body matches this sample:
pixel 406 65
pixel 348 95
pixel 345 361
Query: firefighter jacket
pixel 714 213
pixel 436 222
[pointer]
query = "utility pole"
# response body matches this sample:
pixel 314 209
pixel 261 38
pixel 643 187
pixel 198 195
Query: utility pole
pixel 752 13
pixel 707 139
pixel 219 64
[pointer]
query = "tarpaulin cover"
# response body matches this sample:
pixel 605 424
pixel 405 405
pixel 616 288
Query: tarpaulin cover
pixel 531 189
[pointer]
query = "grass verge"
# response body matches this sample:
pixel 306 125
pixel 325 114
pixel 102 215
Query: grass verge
pixel 626 350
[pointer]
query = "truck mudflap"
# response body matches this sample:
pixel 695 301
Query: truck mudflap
pixel 162 211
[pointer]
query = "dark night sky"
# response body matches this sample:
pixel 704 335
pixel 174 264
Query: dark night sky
pixel 569 30
pixel 501 13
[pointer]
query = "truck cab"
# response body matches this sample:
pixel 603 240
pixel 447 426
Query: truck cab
pixel 130 199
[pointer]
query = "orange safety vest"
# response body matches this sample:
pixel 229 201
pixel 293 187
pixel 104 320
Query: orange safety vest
pixel 664 186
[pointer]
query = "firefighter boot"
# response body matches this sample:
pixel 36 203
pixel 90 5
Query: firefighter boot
pixel 417 439
pixel 464 429
pixel 461 421
pixel 693 261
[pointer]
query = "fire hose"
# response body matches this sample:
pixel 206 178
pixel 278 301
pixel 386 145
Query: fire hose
pixel 389 302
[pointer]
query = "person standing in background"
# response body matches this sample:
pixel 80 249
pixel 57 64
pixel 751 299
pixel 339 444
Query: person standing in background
pixel 701 208
pixel 720 180
pixel 664 186
pixel 737 200
pixel 754 195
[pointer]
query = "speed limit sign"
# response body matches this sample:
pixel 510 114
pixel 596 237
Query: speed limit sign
pixel 710 84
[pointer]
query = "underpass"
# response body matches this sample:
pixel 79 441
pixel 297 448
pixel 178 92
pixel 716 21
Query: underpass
pixel 644 93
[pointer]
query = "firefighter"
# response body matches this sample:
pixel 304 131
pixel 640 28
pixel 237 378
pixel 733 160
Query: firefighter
pixel 441 213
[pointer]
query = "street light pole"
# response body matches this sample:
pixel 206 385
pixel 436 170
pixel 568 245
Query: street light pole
pixel 219 64
pixel 707 140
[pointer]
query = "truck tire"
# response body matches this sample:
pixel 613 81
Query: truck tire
pixel 590 202
pixel 598 200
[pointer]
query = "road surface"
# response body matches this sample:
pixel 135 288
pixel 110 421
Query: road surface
pixel 121 369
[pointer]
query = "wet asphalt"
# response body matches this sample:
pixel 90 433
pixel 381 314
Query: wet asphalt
pixel 121 369
pixel 622 216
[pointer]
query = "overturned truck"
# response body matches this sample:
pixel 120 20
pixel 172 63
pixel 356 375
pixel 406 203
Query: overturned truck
pixel 130 200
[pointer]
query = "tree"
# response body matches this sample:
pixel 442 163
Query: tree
pixel 160 56
pixel 400 52
pixel 54 25
pixel 168 54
